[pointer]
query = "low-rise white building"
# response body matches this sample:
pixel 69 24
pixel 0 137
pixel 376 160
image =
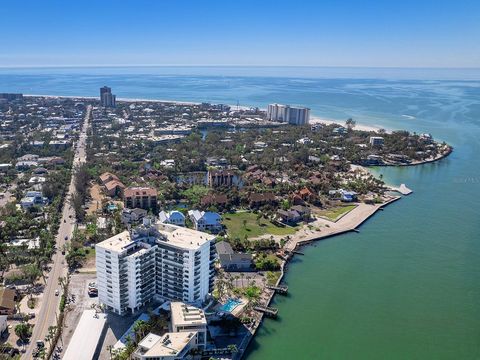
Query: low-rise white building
pixel 186 318
pixel 170 346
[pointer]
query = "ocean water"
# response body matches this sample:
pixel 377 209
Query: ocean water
pixel 408 285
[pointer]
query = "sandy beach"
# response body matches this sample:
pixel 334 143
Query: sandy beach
pixel 362 127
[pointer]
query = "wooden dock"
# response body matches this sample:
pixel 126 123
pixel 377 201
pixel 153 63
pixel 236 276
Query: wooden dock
pixel 280 289
pixel 268 311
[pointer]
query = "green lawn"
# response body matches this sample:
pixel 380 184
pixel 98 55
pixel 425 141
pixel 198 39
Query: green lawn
pixel 252 228
pixel 335 213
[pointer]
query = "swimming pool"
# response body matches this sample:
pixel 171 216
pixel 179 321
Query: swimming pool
pixel 230 305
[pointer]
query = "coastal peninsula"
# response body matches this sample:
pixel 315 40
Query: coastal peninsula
pixel 259 187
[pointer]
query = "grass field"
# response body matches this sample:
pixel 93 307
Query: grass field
pixel 246 223
pixel 336 213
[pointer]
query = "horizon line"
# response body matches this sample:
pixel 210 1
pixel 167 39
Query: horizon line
pixel 235 66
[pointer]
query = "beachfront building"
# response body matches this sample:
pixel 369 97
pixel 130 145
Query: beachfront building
pixel 206 220
pixel 161 261
pixel 107 99
pixel 140 197
pixel 289 114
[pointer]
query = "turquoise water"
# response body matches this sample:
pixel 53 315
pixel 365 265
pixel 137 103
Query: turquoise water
pixel 230 305
pixel 408 285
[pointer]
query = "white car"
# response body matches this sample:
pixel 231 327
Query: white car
pixel 57 292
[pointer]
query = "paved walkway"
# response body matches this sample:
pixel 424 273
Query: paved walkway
pixel 322 228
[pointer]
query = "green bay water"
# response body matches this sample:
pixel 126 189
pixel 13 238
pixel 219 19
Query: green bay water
pixel 408 285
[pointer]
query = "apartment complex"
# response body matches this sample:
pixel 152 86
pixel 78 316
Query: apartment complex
pixel 219 178
pixel 107 99
pixel 160 261
pixel 289 114
pixel 140 197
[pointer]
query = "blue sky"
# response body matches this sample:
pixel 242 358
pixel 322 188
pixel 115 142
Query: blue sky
pixel 400 33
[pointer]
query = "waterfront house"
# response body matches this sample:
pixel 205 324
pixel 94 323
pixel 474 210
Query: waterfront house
pixel 231 260
pixel 289 216
pixel 303 211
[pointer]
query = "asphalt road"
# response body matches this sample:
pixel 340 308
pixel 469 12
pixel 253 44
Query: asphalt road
pixel 50 304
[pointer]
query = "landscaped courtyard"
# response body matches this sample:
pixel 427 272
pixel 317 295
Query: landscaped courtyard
pixel 249 224
pixel 336 213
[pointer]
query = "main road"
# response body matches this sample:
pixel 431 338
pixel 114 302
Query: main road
pixel 50 302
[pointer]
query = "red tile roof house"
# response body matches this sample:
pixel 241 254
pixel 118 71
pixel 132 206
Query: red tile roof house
pixel 106 177
pixel 114 188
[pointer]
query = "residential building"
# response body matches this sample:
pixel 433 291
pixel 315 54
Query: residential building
pixel 205 220
pixel 343 195
pixel 7 301
pixel 256 200
pixel 106 177
pixel 289 216
pixel 133 216
pixel 107 99
pixel 187 318
pixel 376 140
pixel 140 197
pixel 303 211
pixel 126 272
pixel 114 188
pixel 161 261
pixel 289 114
pixel 170 346
pixel 219 200
pixel 231 260
pixel 221 178
pixel 172 217
pixel 3 323
pixel 33 198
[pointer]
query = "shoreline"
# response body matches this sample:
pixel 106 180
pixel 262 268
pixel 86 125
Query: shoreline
pixel 350 222
pixel 314 119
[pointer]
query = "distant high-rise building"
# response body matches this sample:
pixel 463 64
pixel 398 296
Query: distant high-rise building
pixel 107 99
pixel 289 114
